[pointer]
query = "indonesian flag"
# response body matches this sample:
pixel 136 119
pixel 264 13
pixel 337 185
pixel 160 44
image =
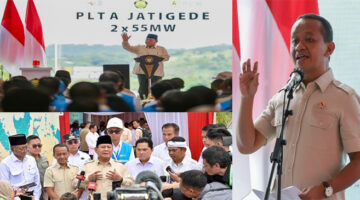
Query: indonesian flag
pixel 264 30
pixel 12 39
pixel 34 44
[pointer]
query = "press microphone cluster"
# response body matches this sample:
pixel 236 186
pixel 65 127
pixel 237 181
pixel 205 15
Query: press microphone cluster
pixel 295 78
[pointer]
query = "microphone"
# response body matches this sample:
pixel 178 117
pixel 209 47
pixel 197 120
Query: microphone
pixel 97 196
pixel 153 183
pixel 169 169
pixel 295 78
pixel 148 176
pixel 80 178
pixel 92 186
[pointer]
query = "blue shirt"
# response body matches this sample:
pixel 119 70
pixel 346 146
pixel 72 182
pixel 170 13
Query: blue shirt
pixel 129 100
pixel 123 152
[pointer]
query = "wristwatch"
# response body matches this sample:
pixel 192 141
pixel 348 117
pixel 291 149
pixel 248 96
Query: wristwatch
pixel 328 189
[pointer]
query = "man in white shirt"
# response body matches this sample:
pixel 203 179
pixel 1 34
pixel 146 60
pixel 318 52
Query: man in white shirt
pixel 144 161
pixel 169 131
pixel 91 139
pixel 179 162
pixel 123 152
pixel 204 131
pixel 20 169
pixel 76 157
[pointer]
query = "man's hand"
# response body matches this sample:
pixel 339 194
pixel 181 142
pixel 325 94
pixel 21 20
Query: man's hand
pixel 113 175
pixel 125 37
pixel 175 177
pixel 19 191
pixel 96 175
pixel 76 193
pixel 249 79
pixel 313 193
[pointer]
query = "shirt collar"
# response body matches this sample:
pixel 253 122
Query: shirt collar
pixel 119 145
pixel 324 80
pixel 15 159
pixel 151 160
pixel 110 162
pixel 58 166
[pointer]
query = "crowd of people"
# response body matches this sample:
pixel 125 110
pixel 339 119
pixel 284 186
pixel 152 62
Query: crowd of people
pixel 115 154
pixel 109 94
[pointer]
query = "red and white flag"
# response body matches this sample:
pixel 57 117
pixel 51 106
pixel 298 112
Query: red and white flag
pixel 34 43
pixel 12 39
pixel 264 30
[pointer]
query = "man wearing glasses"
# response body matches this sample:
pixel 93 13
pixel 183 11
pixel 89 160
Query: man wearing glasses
pixel 20 169
pixel 123 152
pixel 76 157
pixel 42 162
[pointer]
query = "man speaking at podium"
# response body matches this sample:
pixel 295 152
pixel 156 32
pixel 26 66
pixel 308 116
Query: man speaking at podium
pixel 150 48
pixel 324 126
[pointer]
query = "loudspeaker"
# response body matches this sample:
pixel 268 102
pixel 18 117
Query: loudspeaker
pixel 124 69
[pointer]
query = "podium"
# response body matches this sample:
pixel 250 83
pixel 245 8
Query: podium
pixel 31 73
pixel 149 64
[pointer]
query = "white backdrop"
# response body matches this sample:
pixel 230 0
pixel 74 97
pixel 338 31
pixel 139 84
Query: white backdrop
pixel 157 120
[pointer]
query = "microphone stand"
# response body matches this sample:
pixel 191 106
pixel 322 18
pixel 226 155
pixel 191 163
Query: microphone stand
pixel 277 155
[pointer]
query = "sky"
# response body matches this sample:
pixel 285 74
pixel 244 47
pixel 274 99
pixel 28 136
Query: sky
pixel 60 25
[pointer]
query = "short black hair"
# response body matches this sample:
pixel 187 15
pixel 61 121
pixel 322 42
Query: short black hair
pixel 177 139
pixel 109 76
pixel 194 179
pixel 64 76
pixel 31 137
pixel 49 84
pixel 25 100
pixel 16 82
pixel 85 90
pixel 326 29
pixel 159 88
pixel 60 145
pixel 145 140
pixel 216 154
pixel 210 126
pixel 217 134
pixel 83 105
pixel 178 83
pixel 172 125
pixel 92 125
pixel 68 196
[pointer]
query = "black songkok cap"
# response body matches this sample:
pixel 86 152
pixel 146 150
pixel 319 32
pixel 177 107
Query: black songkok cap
pixel 152 36
pixel 17 139
pixel 105 139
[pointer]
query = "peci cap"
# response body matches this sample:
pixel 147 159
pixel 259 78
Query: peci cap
pixel 154 36
pixel 17 139
pixel 104 139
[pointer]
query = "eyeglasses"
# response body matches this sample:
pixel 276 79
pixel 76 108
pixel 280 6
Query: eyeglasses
pixel 72 142
pixel 21 149
pixel 113 131
pixel 36 145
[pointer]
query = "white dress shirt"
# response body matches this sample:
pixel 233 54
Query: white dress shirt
pixel 161 151
pixel 91 139
pixel 185 165
pixel 154 164
pixel 79 159
pixel 19 173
